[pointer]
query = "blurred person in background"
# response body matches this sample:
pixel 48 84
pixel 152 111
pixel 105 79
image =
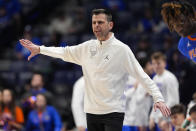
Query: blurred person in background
pixel 192 114
pixel 169 87
pixel 175 64
pixel 168 46
pixel 178 115
pixel 13 9
pixel 77 104
pixel 144 49
pixel 189 123
pixel 146 24
pixel 191 103
pixel 21 52
pixel 11 115
pixel 180 17
pixel 11 21
pixel 114 5
pixel 61 24
pixel 4 18
pixel 43 117
pixel 56 40
pixel 6 30
pixel 79 22
pixel 130 106
pixel 37 87
pixel 138 102
pixel 100 59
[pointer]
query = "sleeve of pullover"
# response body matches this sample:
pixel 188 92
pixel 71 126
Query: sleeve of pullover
pixel 134 69
pixel 73 54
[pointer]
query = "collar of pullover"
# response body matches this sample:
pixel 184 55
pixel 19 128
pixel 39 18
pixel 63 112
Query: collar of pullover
pixel 106 42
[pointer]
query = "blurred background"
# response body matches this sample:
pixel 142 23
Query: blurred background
pixel 137 23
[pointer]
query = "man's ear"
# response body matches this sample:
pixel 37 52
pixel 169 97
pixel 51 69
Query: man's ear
pixel 111 24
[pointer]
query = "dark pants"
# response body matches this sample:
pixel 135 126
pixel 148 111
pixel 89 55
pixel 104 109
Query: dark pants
pixel 106 122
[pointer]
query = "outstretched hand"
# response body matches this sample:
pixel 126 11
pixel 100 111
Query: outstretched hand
pixel 34 49
pixel 163 108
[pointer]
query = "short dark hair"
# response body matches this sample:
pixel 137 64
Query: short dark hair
pixel 178 109
pixel 171 12
pixel 40 74
pixel 158 55
pixel 143 62
pixel 192 110
pixel 103 11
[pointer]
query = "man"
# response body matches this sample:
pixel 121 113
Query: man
pixel 191 103
pixel 178 115
pixel 169 87
pixel 180 17
pixel 106 64
pixel 37 87
pixel 43 117
pixel 192 114
pixel 77 104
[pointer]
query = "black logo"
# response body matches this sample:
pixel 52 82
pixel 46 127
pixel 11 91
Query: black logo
pixel 106 57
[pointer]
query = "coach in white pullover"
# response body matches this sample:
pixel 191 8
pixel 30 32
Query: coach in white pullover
pixel 106 63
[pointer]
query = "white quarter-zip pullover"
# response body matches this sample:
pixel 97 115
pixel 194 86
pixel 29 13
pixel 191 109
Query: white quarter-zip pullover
pixel 77 103
pixel 106 66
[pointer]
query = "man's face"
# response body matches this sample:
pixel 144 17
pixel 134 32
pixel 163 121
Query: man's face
pixel 40 101
pixel 148 68
pixel 183 26
pixel 177 119
pixel 193 117
pixel 158 66
pixel 101 26
pixel 7 97
pixel 37 81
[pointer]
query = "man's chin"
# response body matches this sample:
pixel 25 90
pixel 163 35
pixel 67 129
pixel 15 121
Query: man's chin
pixel 99 38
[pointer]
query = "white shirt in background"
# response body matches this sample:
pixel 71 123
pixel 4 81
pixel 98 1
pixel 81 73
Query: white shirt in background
pixel 138 105
pixel 106 66
pixel 77 103
pixel 169 87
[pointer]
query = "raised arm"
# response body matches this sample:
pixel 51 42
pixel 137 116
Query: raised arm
pixel 70 53
pixel 134 69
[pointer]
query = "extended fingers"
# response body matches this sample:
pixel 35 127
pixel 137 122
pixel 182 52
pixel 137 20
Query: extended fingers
pixel 25 42
pixel 165 110
pixel 168 111
pixel 22 42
